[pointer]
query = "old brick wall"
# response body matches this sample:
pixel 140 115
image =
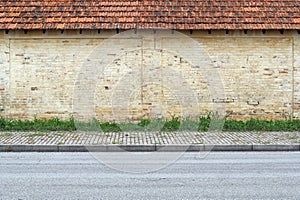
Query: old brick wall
pixel 39 73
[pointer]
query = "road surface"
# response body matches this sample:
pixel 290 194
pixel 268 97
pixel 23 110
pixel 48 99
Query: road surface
pixel 219 175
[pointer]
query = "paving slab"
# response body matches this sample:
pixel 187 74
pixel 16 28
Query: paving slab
pixel 79 141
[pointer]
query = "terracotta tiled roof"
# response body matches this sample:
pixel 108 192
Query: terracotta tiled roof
pixel 140 14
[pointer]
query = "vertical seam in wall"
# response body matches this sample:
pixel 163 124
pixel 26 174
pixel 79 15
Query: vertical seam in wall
pixel 9 80
pixel 142 72
pixel 161 62
pixel 293 77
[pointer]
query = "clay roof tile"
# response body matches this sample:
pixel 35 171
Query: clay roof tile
pixel 174 14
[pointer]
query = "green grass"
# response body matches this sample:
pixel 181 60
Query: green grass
pixel 294 137
pixel 6 135
pixel 203 124
pixel 262 125
pixel 110 127
pixel 54 124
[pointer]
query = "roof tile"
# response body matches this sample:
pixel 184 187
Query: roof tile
pixel 175 14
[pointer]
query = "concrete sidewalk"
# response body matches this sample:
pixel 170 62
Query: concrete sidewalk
pixel 149 141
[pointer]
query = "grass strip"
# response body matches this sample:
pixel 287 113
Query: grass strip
pixel 203 124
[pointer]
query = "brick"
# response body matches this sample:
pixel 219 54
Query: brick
pixel 145 81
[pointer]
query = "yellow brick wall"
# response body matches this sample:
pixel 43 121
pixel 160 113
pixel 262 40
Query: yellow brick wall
pixel 4 77
pixel 44 75
pixel 296 76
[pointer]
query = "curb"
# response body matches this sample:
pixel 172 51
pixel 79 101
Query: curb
pixel 147 148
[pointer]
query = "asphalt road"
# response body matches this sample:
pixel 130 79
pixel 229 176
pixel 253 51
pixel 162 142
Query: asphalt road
pixel 228 175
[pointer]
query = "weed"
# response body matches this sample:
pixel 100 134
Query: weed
pixel 54 124
pixel 110 127
pixel 144 122
pixel 292 137
pixel 203 124
pixel 201 142
pixel 188 124
pixel 93 125
pixel 235 140
pixel 6 135
pixel 172 125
